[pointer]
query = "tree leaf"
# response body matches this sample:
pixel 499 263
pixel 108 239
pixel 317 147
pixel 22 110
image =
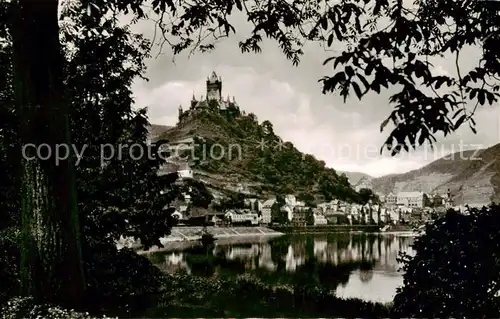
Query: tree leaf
pixel 459 121
pixel 324 23
pixel 481 97
pixel 238 5
pixel 357 90
pixel 384 124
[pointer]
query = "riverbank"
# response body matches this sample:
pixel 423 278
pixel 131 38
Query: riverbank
pixel 185 296
pixel 189 297
pixel 327 229
pixel 341 229
pixel 193 233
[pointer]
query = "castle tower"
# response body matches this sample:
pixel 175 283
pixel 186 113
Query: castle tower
pixel 180 112
pixel 214 87
pixel 193 102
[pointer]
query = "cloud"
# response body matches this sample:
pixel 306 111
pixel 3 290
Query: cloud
pixel 345 135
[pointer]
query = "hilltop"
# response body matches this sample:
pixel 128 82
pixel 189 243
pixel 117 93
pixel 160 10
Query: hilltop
pixel 355 177
pixel 232 151
pixel 472 177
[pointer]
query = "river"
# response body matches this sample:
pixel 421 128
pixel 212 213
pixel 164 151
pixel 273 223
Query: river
pixel 355 265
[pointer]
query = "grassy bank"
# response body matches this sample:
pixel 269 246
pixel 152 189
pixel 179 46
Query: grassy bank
pixel 186 296
pixel 245 296
pixel 325 229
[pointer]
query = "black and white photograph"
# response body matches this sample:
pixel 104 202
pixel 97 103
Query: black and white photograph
pixel 249 159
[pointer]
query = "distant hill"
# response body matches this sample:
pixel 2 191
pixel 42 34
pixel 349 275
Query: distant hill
pixel 234 152
pixel 472 177
pixel 355 177
pixel 155 131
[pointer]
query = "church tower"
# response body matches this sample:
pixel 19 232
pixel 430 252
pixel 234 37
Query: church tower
pixel 214 87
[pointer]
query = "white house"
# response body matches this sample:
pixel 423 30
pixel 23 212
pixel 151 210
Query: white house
pixel 411 199
pixel 290 200
pixel 242 217
pixel 319 219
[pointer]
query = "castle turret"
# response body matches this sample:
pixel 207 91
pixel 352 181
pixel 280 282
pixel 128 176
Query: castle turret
pixel 214 87
pixel 180 112
pixel 193 102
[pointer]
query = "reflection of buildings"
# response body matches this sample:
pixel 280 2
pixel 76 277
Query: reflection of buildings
pixel 242 252
pixel 175 262
pixel 334 250
pixel 265 259
pixel 382 249
pixel 295 257
pixel 320 249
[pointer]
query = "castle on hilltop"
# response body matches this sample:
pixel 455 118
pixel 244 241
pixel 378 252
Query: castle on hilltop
pixel 213 94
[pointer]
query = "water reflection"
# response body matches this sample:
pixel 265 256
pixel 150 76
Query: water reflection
pixel 355 265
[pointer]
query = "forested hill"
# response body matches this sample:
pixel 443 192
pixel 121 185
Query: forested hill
pixel 253 157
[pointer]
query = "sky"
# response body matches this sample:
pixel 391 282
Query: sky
pixel 345 135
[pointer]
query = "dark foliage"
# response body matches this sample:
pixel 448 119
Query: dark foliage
pixel 367 195
pixel 211 297
pixel 119 196
pixel 455 272
pixel 200 195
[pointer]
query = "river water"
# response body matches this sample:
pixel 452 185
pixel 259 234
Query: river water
pixel 355 265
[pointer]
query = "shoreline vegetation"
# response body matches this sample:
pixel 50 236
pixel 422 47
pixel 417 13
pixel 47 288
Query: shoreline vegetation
pixel 187 296
pixel 221 297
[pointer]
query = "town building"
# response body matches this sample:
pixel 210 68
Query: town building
pixel 391 199
pixel 242 217
pixel 290 200
pixel 185 171
pixel 411 199
pixel 266 210
pixel 298 218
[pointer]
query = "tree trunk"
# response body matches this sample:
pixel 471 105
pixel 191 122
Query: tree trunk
pixel 51 261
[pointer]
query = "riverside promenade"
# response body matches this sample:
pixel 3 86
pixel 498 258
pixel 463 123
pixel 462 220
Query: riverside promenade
pixel 193 233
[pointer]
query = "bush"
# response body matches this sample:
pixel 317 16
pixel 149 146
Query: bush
pixel 121 280
pixel 456 269
pixel 247 295
pixel 27 309
pixel 118 281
